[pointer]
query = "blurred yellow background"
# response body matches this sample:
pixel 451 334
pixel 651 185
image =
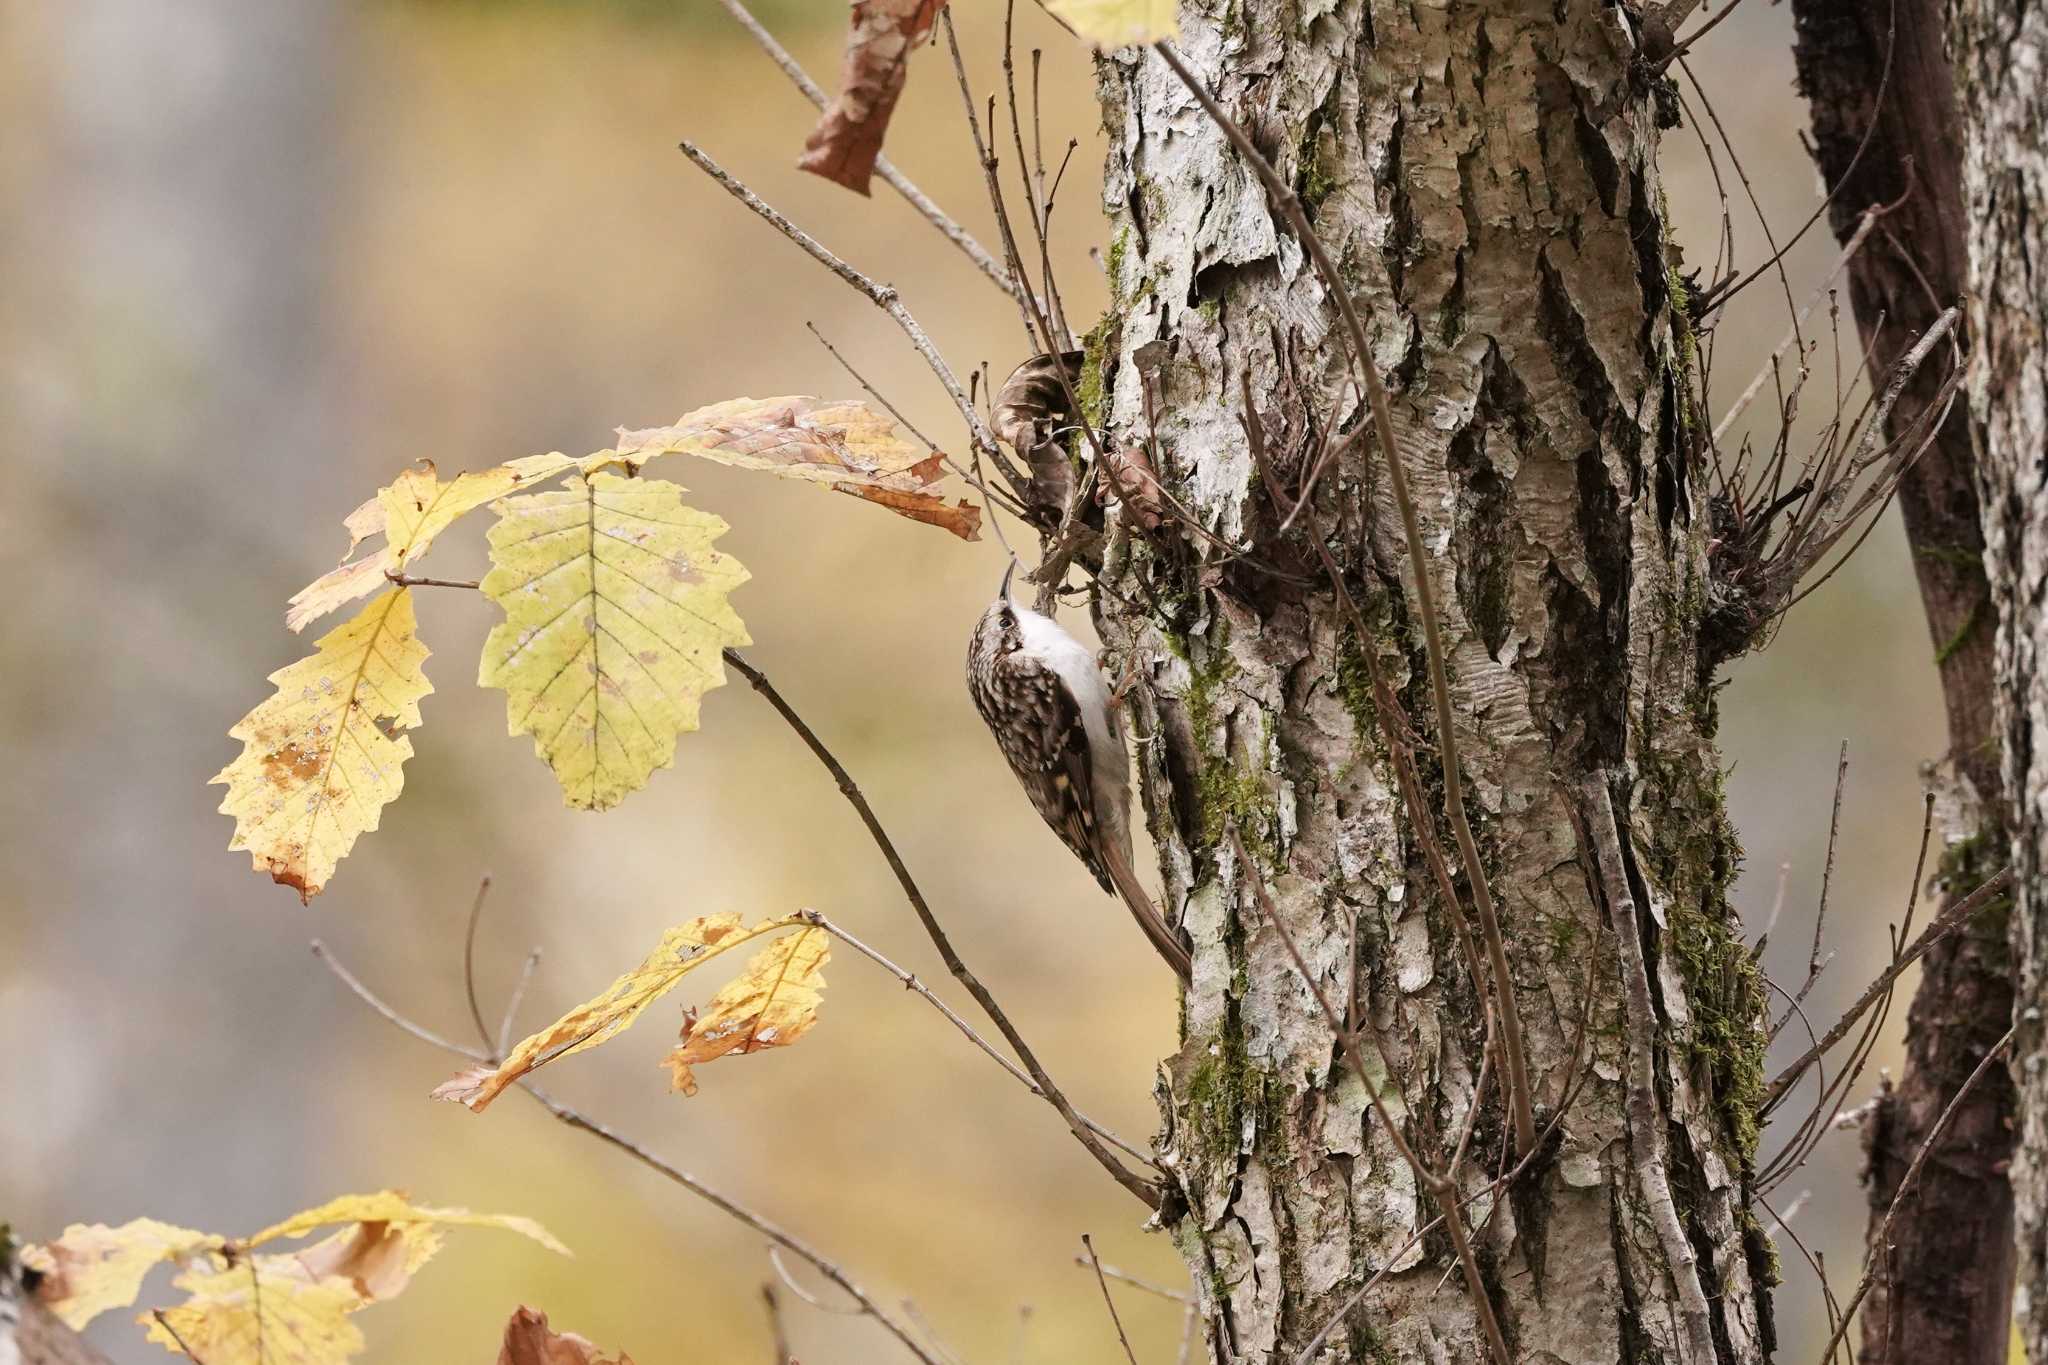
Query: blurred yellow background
pixel 259 256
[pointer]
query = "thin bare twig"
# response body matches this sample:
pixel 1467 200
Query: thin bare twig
pixel 883 296
pixel 1134 1281
pixel 776 1334
pixel 917 987
pixel 1123 1175
pixel 573 1118
pixel 191 1355
pixel 1945 924
pixel 901 183
pixel 513 1001
pixel 1912 1176
pixel 1118 1322
pixel 476 914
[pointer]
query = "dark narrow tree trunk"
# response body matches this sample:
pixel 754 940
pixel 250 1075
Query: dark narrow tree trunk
pixel 2001 56
pixel 1887 134
pixel 1485 178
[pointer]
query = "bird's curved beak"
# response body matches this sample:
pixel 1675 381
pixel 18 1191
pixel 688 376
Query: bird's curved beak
pixel 1003 593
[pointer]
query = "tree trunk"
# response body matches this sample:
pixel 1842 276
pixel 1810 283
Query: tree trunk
pixel 1887 134
pixel 1485 179
pixel 2001 53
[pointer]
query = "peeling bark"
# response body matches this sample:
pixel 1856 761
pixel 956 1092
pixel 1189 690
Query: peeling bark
pixel 1485 178
pixel 2001 54
pixel 1887 134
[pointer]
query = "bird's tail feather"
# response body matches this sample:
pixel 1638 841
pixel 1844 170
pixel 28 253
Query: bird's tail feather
pixel 1148 918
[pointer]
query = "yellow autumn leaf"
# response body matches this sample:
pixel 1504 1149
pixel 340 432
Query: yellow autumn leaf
pixel 409 513
pixel 841 445
pixel 323 757
pixel 772 1003
pixel 681 951
pixel 1119 23
pixel 261 1310
pixel 392 1206
pixel 93 1267
pixel 615 617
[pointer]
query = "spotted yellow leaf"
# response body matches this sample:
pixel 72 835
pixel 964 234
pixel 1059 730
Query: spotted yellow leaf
pixel 840 445
pixel 93 1267
pixel 1119 23
pixel 409 513
pixel 681 951
pixel 324 755
pixel 772 1003
pixel 615 618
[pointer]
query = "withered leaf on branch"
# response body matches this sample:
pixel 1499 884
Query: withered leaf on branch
pixel 839 444
pixel 530 1341
pixel 681 951
pixel 848 137
pixel 1033 416
pixel 409 513
pixel 249 1308
pixel 772 1003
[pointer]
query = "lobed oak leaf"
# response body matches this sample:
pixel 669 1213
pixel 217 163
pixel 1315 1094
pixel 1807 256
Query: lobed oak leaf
pixel 839 444
pixel 848 137
pixel 93 1267
pixel 772 1003
pixel 324 755
pixel 530 1341
pixel 615 621
pixel 681 951
pixel 1120 23
pixel 409 513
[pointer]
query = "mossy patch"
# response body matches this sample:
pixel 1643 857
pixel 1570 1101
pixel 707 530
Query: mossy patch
pixel 1692 854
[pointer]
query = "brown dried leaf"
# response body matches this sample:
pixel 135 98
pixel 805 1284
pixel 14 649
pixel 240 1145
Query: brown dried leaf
pixel 530 1341
pixel 841 445
pixel 681 951
pixel 848 138
pixel 772 1003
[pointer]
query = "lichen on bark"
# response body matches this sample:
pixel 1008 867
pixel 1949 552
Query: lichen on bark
pixel 1485 179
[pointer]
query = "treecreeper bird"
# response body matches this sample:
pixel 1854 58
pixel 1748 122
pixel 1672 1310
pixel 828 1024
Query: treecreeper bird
pixel 1048 706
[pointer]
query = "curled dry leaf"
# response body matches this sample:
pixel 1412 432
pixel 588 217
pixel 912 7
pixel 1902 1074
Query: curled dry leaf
pixel 1131 480
pixel 841 445
pixel 324 756
pixel 409 513
pixel 772 1003
pixel 848 137
pixel 1033 416
pixel 93 1267
pixel 681 951
pixel 530 1341
pixel 1120 23
pixel 615 621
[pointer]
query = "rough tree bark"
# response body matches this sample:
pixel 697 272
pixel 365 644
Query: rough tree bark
pixel 2001 61
pixel 1887 134
pixel 1485 177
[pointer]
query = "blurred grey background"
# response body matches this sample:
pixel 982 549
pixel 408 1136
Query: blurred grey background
pixel 257 257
